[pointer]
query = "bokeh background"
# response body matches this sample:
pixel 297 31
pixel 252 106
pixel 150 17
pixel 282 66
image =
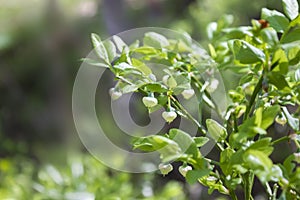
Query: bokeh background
pixel 41 43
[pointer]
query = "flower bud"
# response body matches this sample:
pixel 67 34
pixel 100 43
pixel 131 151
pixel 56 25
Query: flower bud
pixel 213 85
pixel 297 157
pixel 183 170
pixel 187 94
pixel 169 116
pixel 115 94
pixel 281 119
pixel 169 81
pixel 165 168
pixel 149 101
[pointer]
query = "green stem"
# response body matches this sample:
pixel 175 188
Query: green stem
pixel 178 105
pixel 208 95
pixel 280 140
pixel 269 191
pixel 212 161
pixel 275 189
pixel 253 97
pixel 232 195
pixel 248 179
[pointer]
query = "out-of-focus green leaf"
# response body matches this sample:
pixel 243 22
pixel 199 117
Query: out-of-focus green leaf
pixel 292 36
pixel 94 62
pixel 168 149
pixel 201 141
pixel 141 66
pixel 155 40
pixel 257 160
pixel 192 176
pixel 246 53
pixel 216 131
pixel 263 145
pixel 99 47
pixel 185 142
pixel 269 115
pixel 269 36
pixel 276 19
pixel 292 121
pixel 277 79
pixel 121 45
pixel 111 50
pixel 291 8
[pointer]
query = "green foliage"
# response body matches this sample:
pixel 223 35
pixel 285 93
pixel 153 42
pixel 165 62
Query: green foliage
pixel 82 178
pixel 266 56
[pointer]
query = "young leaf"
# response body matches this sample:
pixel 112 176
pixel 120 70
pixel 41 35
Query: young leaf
pixel 155 40
pixel 185 142
pixel 257 160
pixel 277 79
pixel 291 8
pixel 192 176
pixel 292 121
pixel 141 66
pixel 216 131
pixel 94 62
pixel 201 141
pixel 246 53
pixel 99 47
pixel 269 36
pixel 269 115
pixel 120 44
pixel 111 50
pixel 292 36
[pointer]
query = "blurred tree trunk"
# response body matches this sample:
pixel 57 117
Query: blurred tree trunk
pixel 115 16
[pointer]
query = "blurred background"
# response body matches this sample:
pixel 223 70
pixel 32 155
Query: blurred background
pixel 41 43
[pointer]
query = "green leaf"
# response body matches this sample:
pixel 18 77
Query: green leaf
pixel 185 142
pixel 141 66
pixel 297 75
pixel 111 50
pixel 294 55
pixel 292 36
pixel 155 40
pixel 216 131
pixel 269 115
pixel 276 19
pixel 155 87
pixel 168 149
pixel 99 47
pixel 263 145
pixel 246 53
pixel 292 121
pixel 257 160
pixel 121 45
pixel 225 158
pixel 291 8
pixel 269 36
pixel 123 66
pixel 280 57
pixel 94 62
pixel 146 50
pixel 201 141
pixel 192 176
pixel 278 80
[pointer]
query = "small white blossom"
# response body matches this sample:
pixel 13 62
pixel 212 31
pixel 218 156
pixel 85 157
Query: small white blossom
pixel 169 116
pixel 165 168
pixel 149 101
pixel 183 170
pixel 115 94
pixel 187 94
